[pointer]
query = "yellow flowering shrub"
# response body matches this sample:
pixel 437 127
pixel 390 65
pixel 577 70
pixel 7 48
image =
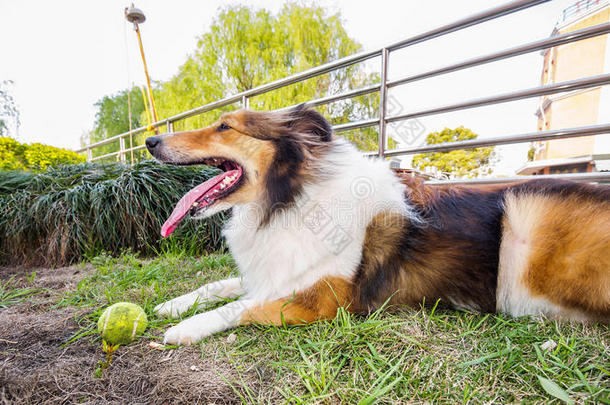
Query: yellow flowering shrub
pixel 35 157
pixel 11 154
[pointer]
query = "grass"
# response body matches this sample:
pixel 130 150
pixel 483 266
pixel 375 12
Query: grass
pixel 414 356
pixel 12 295
pixel 65 214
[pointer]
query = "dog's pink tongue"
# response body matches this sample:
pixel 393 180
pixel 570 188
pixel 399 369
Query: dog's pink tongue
pixel 186 202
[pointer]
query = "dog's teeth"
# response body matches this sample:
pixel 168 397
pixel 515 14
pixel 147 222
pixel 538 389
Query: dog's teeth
pixel 222 186
pixel 195 204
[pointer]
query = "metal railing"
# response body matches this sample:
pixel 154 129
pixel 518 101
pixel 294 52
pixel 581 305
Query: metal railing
pixel 385 84
pixel 579 7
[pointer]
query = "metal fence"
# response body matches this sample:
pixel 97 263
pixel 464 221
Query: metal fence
pixel 578 7
pixel 385 84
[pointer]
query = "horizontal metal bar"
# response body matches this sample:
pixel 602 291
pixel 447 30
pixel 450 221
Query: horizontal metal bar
pixel 307 74
pixel 337 128
pixel 110 140
pixel 207 107
pixel 591 177
pixel 478 18
pixel 111 154
pixel 487 15
pixel 356 125
pixel 592 81
pixel 232 100
pixel 106 156
pixel 135 148
pixel 469 21
pixel 573 36
pixel 342 96
pixel 504 140
pixel 337 97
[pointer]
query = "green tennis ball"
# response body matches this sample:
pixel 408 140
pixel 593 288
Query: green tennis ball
pixel 121 323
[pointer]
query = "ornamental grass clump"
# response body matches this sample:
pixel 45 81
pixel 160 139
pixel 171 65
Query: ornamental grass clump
pixel 63 214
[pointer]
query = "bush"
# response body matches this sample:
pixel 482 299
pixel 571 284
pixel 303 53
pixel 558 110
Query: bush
pixel 64 214
pixel 11 154
pixel 36 157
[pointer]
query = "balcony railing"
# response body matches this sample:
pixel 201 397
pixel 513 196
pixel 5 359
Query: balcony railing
pixel 385 84
pixel 579 7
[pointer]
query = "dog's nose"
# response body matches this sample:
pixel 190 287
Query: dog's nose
pixel 152 142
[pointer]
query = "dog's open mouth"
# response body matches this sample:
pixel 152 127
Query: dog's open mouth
pixel 205 194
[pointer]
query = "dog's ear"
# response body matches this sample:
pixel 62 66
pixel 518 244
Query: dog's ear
pixel 306 120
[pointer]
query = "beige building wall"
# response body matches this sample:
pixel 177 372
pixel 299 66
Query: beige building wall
pixel 568 62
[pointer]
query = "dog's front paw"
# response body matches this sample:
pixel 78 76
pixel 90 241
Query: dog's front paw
pixel 185 333
pixel 177 306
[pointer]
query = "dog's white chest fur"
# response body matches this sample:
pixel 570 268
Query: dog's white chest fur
pixel 321 235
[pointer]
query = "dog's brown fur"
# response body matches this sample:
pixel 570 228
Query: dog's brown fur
pixel 570 265
pixel 453 255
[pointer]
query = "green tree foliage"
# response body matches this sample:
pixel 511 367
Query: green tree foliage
pixel 458 163
pixel 112 117
pixel 531 153
pixel 245 48
pixel 8 109
pixel 34 157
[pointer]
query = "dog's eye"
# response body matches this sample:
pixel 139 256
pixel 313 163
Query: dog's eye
pixel 223 127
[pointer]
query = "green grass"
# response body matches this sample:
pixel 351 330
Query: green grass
pixel 146 282
pixel 413 356
pixel 11 295
pixel 65 214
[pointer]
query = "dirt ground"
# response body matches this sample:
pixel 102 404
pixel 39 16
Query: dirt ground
pixel 36 366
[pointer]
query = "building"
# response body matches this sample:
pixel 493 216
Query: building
pixel 589 57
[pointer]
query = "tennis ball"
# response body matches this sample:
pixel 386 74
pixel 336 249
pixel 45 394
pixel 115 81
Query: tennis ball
pixel 121 323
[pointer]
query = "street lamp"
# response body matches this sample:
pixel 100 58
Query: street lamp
pixel 136 16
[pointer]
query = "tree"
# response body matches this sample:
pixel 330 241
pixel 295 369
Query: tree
pixel 458 163
pixel 112 117
pixel 245 48
pixel 8 110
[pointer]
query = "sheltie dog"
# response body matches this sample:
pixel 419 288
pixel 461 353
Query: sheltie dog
pixel 316 226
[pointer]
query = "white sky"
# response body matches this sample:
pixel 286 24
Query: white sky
pixel 65 55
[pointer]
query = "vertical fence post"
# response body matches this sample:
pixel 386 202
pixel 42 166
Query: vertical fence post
pixel 122 149
pixel 131 145
pixel 89 154
pixel 383 100
pixel 244 101
pixel 170 126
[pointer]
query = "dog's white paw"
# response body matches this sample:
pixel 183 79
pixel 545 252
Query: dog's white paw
pixel 199 326
pixel 177 306
pixel 185 333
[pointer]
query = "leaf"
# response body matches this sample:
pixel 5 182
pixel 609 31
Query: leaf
pixel 555 390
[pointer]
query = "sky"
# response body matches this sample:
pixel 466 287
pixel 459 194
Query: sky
pixel 65 55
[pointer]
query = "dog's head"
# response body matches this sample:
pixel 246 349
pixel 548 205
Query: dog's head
pixel 265 157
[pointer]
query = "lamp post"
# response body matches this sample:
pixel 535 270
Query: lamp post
pixel 136 16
